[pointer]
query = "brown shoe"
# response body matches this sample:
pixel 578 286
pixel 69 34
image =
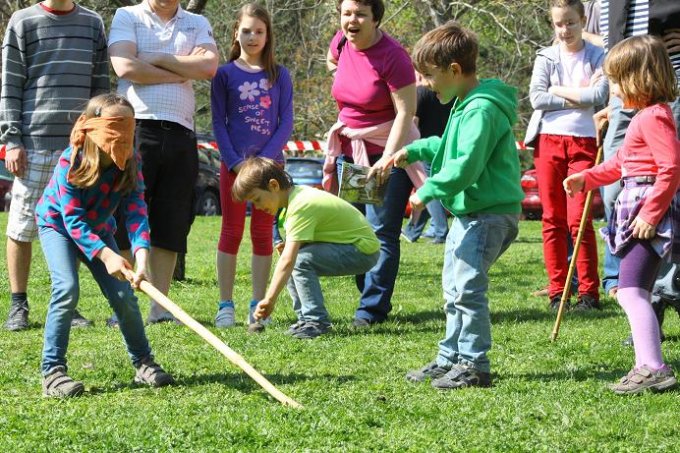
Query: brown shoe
pixel 151 374
pixel 541 292
pixel 640 379
pixel 58 384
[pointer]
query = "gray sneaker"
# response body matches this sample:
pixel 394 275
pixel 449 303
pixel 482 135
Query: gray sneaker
pixel 151 374
pixel 225 317
pixel 58 384
pixel 429 371
pixel 640 379
pixel 18 316
pixel 311 329
pixel 461 376
pixel 79 320
pixel 294 327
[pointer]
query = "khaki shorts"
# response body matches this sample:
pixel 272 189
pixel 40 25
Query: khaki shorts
pixel 27 190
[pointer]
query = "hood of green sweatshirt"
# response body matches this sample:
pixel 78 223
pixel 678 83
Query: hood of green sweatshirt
pixel 494 90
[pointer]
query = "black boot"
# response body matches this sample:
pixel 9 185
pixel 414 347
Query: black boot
pixel 659 308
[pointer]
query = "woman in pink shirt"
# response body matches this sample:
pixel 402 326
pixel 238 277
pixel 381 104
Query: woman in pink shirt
pixel 645 228
pixel 375 90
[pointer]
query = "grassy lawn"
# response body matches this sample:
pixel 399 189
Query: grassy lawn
pixel 547 396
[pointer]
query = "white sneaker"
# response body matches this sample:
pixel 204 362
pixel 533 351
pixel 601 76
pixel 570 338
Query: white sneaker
pixel 251 317
pixel 225 317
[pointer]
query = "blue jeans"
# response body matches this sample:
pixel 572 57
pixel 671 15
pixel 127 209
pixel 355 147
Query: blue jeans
pixel 322 259
pixel 377 285
pixel 62 255
pixel 439 225
pixel 474 243
pixel 619 119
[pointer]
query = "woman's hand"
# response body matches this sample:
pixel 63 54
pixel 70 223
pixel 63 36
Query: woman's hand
pixel 642 229
pixel 400 158
pixel 601 119
pixel 672 40
pixel 574 184
pixel 381 169
pixel 416 203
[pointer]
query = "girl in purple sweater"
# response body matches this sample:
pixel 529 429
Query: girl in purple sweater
pixel 94 175
pixel 252 115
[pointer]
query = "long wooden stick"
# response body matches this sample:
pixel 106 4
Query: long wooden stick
pixel 214 341
pixel 574 255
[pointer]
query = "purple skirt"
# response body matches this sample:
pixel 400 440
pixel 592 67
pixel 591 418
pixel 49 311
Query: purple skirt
pixel 618 233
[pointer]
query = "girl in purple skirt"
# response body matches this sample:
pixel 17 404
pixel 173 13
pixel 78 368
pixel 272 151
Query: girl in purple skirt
pixel 645 227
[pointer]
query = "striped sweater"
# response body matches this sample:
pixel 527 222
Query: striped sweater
pixel 51 66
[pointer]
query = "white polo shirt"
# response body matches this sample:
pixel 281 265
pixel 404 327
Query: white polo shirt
pixel 140 25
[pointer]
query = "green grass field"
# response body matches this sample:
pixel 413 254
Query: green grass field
pixel 547 396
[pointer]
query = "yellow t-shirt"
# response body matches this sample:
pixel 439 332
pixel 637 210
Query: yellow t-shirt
pixel 317 216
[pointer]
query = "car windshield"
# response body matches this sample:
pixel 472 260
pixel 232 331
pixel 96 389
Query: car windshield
pixel 304 169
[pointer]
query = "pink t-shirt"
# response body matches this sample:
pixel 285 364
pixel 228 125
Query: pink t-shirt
pixel 651 147
pixel 365 78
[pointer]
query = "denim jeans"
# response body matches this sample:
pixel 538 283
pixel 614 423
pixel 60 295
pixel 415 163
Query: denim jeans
pixel 62 254
pixel 439 225
pixel 665 286
pixel 377 285
pixel 322 259
pixel 619 119
pixel 474 243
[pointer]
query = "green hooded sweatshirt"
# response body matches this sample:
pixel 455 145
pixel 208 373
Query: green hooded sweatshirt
pixel 475 166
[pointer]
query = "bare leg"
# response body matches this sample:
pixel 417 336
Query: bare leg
pixel 261 266
pixel 226 275
pixel 161 267
pixel 19 255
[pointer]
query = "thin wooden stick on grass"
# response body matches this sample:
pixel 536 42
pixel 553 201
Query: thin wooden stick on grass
pixel 235 358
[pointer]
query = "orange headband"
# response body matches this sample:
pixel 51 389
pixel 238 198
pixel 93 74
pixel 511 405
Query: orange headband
pixel 114 135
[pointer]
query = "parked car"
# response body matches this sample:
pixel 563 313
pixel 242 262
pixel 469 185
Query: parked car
pixel 207 188
pixel 6 180
pixel 532 208
pixel 305 171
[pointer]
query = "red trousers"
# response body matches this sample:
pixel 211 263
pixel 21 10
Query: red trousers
pixel 234 219
pixel 556 157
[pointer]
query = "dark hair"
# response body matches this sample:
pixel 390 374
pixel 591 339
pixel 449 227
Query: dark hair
pixel 445 45
pixel 641 67
pixel 268 60
pixel 256 173
pixel 377 8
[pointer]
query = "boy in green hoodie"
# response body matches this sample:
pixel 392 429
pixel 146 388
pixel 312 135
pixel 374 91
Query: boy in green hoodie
pixel 475 174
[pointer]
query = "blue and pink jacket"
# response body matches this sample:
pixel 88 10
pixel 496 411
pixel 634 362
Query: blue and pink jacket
pixel 85 214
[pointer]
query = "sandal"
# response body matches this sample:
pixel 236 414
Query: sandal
pixel 640 379
pixel 58 384
pixel 150 373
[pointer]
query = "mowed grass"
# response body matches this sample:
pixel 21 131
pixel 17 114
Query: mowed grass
pixel 547 396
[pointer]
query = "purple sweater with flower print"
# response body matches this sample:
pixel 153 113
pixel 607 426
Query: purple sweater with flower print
pixel 85 214
pixel 250 117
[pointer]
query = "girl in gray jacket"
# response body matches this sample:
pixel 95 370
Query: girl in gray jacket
pixel 566 84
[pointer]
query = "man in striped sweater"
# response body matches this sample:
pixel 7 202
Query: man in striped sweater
pixel 54 59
